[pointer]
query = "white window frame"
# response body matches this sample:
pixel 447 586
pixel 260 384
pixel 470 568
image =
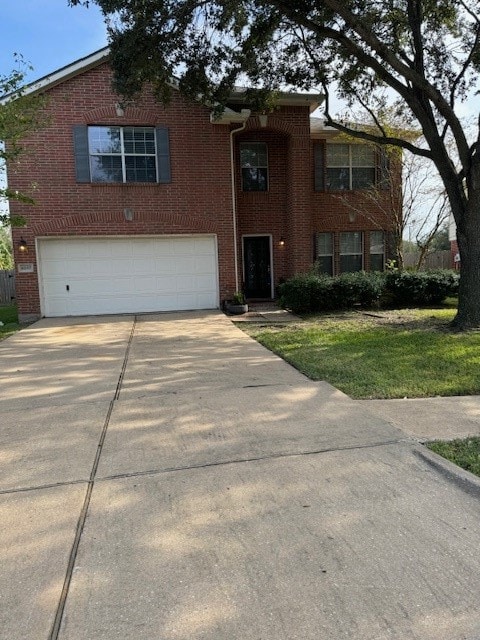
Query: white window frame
pixel 123 154
pixel 377 253
pixel 248 143
pixel 350 167
pixel 355 253
pixel 327 255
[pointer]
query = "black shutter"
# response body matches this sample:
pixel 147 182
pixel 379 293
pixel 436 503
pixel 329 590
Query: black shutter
pixel 163 155
pixel 319 164
pixel 82 158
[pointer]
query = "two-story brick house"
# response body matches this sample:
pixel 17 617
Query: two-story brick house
pixel 144 207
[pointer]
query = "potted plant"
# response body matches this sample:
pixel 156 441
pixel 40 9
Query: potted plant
pixel 237 305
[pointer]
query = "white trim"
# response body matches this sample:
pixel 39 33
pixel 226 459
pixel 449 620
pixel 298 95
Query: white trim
pixel 61 75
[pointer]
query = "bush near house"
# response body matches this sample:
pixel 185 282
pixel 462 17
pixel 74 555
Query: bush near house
pixel 420 288
pixel 313 293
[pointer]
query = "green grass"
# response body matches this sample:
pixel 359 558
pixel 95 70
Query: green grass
pixel 394 354
pixel 464 453
pixel 9 318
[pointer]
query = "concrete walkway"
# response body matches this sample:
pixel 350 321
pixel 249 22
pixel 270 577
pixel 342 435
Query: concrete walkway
pixel 167 478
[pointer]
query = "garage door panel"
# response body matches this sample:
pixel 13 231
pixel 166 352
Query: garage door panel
pixel 202 245
pixel 185 265
pixel 204 264
pixel 202 283
pixel 206 300
pixel 55 288
pixel 88 276
pixel 143 265
pixel 165 284
pixel 164 264
pixel 186 283
pixel 183 246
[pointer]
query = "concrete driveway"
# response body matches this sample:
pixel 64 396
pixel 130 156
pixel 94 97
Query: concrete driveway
pixel 166 478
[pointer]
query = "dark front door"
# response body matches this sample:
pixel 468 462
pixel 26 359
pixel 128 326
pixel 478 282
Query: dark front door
pixel 257 263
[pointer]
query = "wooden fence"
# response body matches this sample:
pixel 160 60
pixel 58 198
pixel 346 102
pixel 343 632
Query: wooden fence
pixel 7 287
pixel 434 260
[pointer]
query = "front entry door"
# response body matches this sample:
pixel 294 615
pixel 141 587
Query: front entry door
pixel 257 264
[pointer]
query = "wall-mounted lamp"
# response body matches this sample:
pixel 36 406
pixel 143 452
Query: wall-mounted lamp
pixel 263 118
pixel 119 110
pixel 128 213
pixel 281 242
pixel 22 246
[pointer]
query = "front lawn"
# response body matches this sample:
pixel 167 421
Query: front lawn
pixel 464 453
pixel 9 320
pixel 389 354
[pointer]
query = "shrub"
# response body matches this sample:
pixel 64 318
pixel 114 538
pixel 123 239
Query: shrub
pixel 440 284
pixel 307 293
pixel 420 288
pixel 360 288
pixel 311 292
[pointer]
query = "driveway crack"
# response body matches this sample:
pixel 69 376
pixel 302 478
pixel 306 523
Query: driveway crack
pixel 86 503
pixel 270 456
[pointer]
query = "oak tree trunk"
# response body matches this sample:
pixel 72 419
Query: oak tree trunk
pixel 468 238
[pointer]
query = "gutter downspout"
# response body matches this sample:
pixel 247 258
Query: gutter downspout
pixel 246 114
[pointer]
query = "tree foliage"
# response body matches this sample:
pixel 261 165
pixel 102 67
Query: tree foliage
pixel 419 57
pixel 20 114
pixel 6 250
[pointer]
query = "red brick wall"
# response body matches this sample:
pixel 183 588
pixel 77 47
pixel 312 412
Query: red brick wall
pixel 199 198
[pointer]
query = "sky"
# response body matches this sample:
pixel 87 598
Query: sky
pixel 48 34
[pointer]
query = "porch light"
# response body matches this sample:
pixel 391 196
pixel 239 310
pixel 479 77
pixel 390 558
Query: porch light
pixel 22 246
pixel 282 242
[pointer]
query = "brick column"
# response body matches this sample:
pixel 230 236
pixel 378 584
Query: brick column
pixel 299 241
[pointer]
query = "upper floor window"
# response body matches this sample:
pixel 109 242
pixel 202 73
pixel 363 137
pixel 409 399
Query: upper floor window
pixel 254 164
pixel 350 166
pixel 122 154
pixel 342 167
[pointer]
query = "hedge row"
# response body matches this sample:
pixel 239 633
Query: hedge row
pixel 310 293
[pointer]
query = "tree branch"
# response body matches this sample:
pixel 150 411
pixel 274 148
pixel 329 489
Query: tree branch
pixel 380 140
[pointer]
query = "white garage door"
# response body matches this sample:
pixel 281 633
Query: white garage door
pixel 92 276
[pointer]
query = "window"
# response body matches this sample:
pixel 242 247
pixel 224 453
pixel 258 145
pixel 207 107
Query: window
pixel 351 251
pixel 377 251
pixel 348 166
pixel 254 163
pixel 325 253
pixel 121 154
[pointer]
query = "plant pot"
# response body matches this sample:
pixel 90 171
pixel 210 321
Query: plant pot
pixel 237 309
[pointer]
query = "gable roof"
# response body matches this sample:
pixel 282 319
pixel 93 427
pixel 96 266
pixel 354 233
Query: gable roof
pixel 99 57
pixel 65 73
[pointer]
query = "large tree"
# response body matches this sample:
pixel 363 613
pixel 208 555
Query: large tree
pixel 424 55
